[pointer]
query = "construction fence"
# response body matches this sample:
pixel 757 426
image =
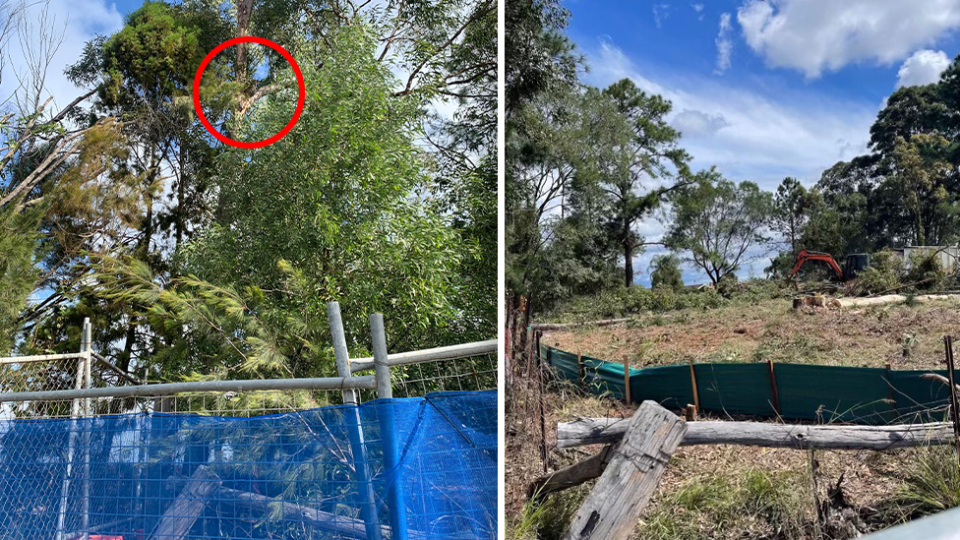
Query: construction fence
pixel 83 457
pixel 789 391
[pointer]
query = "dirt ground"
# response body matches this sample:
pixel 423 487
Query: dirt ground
pixel 907 337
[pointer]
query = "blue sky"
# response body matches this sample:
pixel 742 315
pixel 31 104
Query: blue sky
pixel 766 89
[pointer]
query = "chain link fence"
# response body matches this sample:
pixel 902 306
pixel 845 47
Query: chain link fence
pixel 86 453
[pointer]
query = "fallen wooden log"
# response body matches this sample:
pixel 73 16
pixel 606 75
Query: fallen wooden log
pixel 571 476
pixel 612 508
pixel 834 437
pixel 187 507
pixel 325 521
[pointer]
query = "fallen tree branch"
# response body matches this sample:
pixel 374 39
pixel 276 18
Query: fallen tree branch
pixel 610 430
pixel 571 476
pixel 563 326
pixel 938 378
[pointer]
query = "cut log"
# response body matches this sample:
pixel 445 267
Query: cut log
pixel 571 476
pixel 610 430
pixel 187 507
pixel 325 521
pixel 639 460
pixel 342 526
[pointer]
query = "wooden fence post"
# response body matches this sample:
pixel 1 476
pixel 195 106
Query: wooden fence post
pixel 891 394
pixel 693 382
pixel 773 387
pixel 626 382
pixel 612 508
pixel 581 373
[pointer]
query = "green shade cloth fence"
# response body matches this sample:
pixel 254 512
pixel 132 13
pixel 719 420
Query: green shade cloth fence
pixel 805 392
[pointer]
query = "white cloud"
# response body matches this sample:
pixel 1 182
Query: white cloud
pixel 761 137
pixel 660 13
pixel 813 36
pixel 724 45
pixel 697 7
pixel 79 21
pixel 923 67
pixel 748 135
pixel 694 123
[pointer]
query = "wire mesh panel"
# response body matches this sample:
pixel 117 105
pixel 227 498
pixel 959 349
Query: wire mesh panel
pixel 401 468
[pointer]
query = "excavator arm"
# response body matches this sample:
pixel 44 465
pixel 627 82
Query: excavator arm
pixel 805 256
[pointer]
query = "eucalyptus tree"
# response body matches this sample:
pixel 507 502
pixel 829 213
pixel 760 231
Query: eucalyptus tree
pixel 327 213
pixel 719 223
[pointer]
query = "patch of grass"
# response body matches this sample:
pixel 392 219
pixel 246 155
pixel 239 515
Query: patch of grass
pixel 931 481
pixel 750 503
pixel 549 519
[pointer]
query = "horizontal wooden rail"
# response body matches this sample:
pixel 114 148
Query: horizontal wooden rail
pixel 831 437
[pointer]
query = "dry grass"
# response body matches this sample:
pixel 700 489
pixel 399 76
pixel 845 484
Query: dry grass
pixel 746 493
pixel 907 337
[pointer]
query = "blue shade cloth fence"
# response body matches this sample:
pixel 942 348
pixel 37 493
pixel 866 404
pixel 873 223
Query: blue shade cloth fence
pixel 82 458
pixel 790 391
pixel 282 476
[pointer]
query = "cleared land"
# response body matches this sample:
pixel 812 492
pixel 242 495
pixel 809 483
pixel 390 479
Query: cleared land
pixel 906 336
pixel 746 493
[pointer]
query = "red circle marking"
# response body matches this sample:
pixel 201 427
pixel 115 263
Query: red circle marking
pixel 302 92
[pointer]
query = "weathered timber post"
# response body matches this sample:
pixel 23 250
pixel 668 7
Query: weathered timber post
pixel 773 387
pixel 954 405
pixel 581 373
pixel 639 460
pixel 626 382
pixel 693 383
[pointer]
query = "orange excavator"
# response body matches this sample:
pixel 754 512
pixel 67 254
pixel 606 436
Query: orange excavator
pixel 855 263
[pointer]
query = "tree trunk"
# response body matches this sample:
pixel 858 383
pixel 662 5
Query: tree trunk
pixel 586 431
pixel 244 12
pixel 628 261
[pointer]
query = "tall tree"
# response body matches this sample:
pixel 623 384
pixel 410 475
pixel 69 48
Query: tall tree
pixel 652 154
pixel 791 206
pixel 719 223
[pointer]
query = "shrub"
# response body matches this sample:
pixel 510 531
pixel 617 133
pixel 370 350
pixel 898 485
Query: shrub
pixel 624 302
pixel 926 271
pixel 665 272
pixel 885 272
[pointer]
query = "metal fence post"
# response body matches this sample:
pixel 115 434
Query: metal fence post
pixel 368 511
pixel 72 438
pixel 388 432
pixel 87 414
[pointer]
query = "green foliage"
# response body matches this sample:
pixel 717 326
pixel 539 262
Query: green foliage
pixel 719 223
pixel 926 271
pixel 335 204
pixel 18 272
pixel 665 272
pixel 621 302
pixel 885 272
pixel 653 151
pixel 548 519
pixel 931 481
